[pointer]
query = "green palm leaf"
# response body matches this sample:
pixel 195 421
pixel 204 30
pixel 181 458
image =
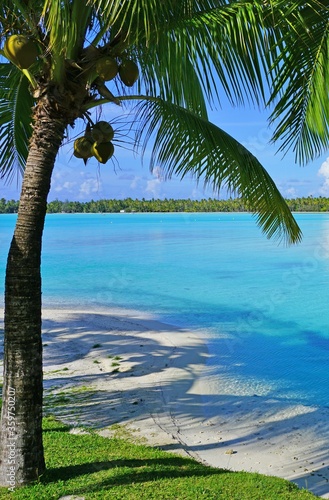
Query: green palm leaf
pixel 301 81
pixel 185 143
pixel 223 41
pixel 66 24
pixel 15 120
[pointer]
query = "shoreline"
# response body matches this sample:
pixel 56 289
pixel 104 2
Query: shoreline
pixel 123 367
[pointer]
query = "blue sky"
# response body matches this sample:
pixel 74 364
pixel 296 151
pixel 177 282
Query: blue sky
pixel 127 177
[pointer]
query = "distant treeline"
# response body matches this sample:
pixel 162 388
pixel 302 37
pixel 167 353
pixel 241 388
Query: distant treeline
pixel 308 204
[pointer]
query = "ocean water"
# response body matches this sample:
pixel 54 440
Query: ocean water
pixel 264 305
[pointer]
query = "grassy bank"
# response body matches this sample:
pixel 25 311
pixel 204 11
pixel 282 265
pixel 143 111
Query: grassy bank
pixel 93 467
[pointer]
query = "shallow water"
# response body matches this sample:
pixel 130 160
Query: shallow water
pixel 266 306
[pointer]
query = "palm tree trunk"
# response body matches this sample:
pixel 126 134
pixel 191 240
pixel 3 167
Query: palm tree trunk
pixel 21 448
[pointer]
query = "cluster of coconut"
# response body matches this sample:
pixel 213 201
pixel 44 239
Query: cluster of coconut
pixel 96 142
pixel 107 68
pixel 21 50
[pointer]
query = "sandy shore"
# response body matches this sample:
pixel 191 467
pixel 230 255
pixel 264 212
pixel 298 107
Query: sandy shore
pixel 118 367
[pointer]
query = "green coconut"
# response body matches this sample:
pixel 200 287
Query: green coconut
pixel 83 148
pixel 102 132
pixel 128 72
pixel 21 50
pixel 106 68
pixel 103 151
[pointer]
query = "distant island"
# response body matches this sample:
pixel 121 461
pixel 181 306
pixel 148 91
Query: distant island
pixel 309 204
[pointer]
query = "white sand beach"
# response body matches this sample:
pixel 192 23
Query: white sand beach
pixel 125 368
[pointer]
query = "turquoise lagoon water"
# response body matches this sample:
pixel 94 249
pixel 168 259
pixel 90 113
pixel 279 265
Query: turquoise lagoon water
pixel 265 305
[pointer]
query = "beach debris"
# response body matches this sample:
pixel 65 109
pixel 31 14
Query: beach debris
pixel 79 431
pixel 71 497
pixel 21 50
pixel 230 451
pixel 137 401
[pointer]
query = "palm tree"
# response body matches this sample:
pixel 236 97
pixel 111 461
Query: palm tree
pixel 188 52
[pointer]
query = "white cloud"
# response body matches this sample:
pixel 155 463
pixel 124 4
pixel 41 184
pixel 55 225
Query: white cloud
pixel 73 184
pixel 135 182
pixel 290 193
pixel 324 171
pixel 153 186
pixel 66 186
pixel 63 182
pixel 88 187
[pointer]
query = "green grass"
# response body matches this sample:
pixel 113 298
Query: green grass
pixel 72 395
pixel 58 371
pixel 115 469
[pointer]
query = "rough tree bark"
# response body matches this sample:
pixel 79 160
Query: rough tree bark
pixel 21 448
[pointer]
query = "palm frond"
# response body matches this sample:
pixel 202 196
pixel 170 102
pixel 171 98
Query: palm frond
pixel 231 37
pixel 15 120
pixel 186 144
pixel 80 19
pixel 223 41
pixel 67 23
pixel 14 17
pixel 177 83
pixel 56 17
pixel 301 82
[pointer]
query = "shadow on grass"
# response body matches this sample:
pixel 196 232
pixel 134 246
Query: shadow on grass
pixel 132 471
pixel 60 428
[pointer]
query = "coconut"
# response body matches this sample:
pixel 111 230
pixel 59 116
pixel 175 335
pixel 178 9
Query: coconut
pixel 102 132
pixel 128 72
pixel 106 68
pixel 21 50
pixel 82 148
pixel 103 151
